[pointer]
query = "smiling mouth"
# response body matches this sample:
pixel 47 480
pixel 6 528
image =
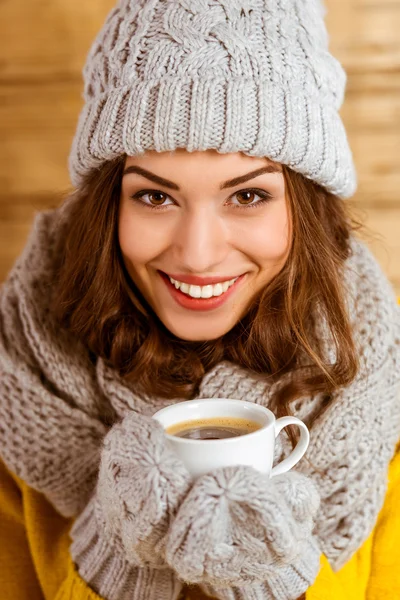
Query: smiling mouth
pixel 203 291
pixel 201 298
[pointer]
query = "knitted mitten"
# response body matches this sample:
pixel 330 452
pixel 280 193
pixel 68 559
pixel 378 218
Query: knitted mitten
pixel 237 527
pixel 140 486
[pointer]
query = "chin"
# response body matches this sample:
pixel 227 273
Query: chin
pixel 197 333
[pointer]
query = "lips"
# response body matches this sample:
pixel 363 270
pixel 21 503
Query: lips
pixel 199 304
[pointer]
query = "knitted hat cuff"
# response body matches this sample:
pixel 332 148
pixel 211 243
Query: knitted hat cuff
pixel 237 115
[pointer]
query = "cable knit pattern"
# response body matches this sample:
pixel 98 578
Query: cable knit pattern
pixel 139 513
pixel 238 527
pixel 53 397
pixel 140 485
pixel 251 76
pixel 105 568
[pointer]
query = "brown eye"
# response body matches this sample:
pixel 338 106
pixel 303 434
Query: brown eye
pixel 250 198
pixel 152 199
pixel 246 197
pixel 156 198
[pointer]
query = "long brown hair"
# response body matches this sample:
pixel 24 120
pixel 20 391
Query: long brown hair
pixel 97 301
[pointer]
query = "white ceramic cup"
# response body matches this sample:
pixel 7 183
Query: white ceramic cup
pixel 255 449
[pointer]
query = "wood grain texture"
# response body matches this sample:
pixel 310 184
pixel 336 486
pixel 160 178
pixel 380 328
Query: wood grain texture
pixel 43 46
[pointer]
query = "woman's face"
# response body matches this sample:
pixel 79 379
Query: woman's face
pixel 217 224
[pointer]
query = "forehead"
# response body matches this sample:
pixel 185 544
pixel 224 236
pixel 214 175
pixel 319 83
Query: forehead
pixel 205 167
pixel 200 159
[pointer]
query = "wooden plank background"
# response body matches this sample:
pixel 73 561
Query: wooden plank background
pixel 43 46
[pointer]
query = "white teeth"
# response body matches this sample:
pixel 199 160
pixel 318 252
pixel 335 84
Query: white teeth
pixel 217 289
pixel 225 286
pixel 205 291
pixel 195 291
pixel 184 287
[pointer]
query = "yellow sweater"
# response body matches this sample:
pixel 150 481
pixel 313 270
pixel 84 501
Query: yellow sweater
pixel 35 562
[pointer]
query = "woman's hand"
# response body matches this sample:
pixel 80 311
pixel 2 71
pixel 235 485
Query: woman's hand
pixel 238 527
pixel 140 486
pixel 118 540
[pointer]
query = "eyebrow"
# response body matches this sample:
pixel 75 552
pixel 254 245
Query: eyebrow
pixel 227 184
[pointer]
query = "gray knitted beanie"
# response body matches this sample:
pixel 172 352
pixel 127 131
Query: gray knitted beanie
pixel 251 76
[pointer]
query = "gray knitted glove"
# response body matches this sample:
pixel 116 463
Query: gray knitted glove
pixel 119 538
pixel 140 486
pixel 237 527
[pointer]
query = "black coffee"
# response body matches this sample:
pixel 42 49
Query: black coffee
pixel 213 428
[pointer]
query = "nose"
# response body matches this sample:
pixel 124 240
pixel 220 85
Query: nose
pixel 202 241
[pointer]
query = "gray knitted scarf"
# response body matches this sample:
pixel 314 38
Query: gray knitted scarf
pixel 54 397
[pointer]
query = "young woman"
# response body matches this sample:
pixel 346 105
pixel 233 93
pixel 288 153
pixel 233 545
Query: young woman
pixel 207 251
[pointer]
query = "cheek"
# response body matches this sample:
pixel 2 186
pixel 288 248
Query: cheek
pixel 268 238
pixel 139 239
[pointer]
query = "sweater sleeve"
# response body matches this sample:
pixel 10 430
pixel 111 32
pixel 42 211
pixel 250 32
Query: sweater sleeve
pixel 35 558
pixel 74 588
pixel 21 570
pixel 18 579
pixel 384 580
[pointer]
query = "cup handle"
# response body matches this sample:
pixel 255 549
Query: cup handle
pixel 300 448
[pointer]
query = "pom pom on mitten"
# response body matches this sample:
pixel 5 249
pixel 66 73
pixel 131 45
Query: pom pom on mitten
pixel 237 527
